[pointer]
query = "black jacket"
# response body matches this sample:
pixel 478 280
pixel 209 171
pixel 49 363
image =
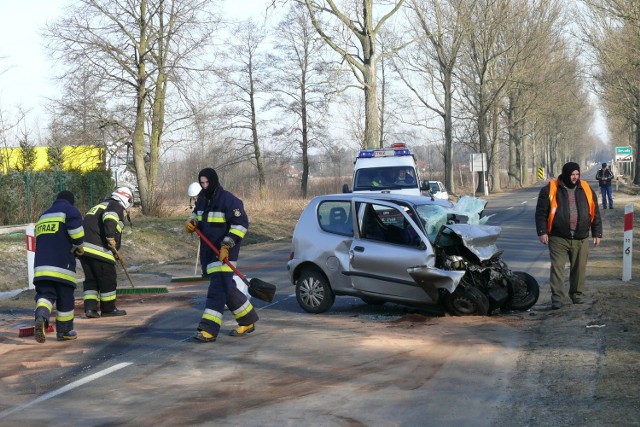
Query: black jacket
pixel 103 220
pixel 560 226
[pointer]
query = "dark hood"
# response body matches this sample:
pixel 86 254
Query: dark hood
pixel 212 177
pixel 567 170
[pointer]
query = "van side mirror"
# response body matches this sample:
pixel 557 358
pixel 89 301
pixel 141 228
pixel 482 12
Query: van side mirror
pixel 424 186
pixel 345 188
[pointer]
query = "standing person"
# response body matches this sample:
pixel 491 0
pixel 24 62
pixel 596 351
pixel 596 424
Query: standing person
pixel 59 238
pixel 604 177
pixel 566 212
pixel 103 226
pixel 222 219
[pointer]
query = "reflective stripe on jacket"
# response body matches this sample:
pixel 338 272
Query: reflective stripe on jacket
pixel 58 229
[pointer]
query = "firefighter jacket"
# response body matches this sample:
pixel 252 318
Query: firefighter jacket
pixel 220 216
pixel 105 220
pixel 560 225
pixel 58 232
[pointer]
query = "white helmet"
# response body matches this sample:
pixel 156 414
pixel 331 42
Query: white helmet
pixel 194 189
pixel 124 196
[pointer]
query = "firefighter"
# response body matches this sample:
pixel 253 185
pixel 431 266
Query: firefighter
pixel 59 239
pixel 221 217
pixel 103 226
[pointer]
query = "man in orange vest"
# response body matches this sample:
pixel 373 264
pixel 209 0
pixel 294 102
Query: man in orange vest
pixel 566 212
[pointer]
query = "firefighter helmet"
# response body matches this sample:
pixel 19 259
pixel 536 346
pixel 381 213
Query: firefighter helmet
pixel 194 189
pixel 124 196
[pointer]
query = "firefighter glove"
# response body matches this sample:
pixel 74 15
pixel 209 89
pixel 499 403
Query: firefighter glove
pixel 224 253
pixel 228 241
pixel 190 226
pixel 111 242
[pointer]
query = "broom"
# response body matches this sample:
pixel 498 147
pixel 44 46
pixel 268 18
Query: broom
pixel 257 288
pixel 133 289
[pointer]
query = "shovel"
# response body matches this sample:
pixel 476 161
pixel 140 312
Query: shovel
pixel 257 288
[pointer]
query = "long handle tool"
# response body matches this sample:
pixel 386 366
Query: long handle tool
pixel 257 288
pixel 117 256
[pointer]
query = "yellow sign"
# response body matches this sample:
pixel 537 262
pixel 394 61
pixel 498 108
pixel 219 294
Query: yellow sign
pixel 78 158
pixel 540 173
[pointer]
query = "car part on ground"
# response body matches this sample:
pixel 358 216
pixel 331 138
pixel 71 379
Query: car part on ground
pixel 405 249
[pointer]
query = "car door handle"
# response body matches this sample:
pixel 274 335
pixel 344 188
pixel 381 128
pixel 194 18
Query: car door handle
pixel 358 248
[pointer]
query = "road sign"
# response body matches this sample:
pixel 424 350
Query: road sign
pixel 624 154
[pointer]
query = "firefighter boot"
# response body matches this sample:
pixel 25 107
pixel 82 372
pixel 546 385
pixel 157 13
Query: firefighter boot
pixel 242 331
pixel 67 336
pixel 115 312
pixel 40 329
pixel 204 336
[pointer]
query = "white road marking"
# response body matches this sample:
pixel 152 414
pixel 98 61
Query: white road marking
pixel 66 388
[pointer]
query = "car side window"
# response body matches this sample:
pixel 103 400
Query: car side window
pixel 386 224
pixel 334 216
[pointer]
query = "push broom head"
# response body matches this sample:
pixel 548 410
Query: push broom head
pixel 262 290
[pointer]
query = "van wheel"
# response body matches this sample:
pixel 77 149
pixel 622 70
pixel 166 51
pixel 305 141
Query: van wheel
pixel 313 292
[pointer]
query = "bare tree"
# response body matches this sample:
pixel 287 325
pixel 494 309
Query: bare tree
pixel 242 75
pixel 612 30
pixel 359 50
pixel 302 82
pixel 138 48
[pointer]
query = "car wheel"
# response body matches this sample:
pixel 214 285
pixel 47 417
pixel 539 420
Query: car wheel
pixel 372 301
pixel 313 292
pixel 467 301
pixel 524 292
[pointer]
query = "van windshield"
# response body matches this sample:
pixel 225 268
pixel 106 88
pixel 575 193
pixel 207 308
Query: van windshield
pixel 385 178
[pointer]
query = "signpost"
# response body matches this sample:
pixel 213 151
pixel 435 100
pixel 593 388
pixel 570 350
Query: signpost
pixel 627 249
pixel 479 164
pixel 624 154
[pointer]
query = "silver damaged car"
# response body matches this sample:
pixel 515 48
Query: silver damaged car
pixel 411 250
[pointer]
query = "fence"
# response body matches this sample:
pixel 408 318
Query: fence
pixel 25 195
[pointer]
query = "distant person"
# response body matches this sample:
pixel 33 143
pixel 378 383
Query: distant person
pixel 567 210
pixel 221 218
pixel 103 226
pixel 59 239
pixel 405 178
pixel 604 177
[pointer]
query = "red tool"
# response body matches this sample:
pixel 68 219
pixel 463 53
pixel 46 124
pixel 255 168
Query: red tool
pixel 257 288
pixel 28 331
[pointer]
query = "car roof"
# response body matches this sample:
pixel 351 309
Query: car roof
pixel 407 198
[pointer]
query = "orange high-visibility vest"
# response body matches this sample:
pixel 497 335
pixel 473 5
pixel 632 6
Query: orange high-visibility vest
pixel 553 189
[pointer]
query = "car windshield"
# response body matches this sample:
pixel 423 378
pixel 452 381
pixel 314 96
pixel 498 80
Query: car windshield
pixel 468 210
pixel 392 177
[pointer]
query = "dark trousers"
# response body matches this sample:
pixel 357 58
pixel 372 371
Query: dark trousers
pixel 222 290
pixel 607 194
pixel 50 293
pixel 100 282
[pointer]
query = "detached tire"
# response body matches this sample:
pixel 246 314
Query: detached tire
pixel 524 292
pixel 313 292
pixel 469 301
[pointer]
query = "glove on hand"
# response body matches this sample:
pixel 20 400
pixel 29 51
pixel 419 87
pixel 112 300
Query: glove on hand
pixel 228 241
pixel 224 253
pixel 190 226
pixel 111 242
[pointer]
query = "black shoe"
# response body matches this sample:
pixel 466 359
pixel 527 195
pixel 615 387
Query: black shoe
pixel 604 207
pixel 577 299
pixel 91 314
pixel 40 329
pixel 67 336
pixel 114 313
pixel 556 305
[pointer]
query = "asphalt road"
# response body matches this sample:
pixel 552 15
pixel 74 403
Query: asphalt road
pixel 354 365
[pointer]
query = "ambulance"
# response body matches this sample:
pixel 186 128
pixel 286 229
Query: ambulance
pixel 386 170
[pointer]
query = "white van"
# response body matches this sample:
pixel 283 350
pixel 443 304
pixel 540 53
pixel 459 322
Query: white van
pixel 385 170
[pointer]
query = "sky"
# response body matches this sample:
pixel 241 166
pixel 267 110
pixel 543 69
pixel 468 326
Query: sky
pixel 24 66
pixel 25 69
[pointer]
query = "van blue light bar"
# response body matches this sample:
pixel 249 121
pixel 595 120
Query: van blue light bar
pixel 365 154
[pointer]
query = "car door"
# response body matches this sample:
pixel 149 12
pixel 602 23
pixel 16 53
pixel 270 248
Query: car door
pixel 385 245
